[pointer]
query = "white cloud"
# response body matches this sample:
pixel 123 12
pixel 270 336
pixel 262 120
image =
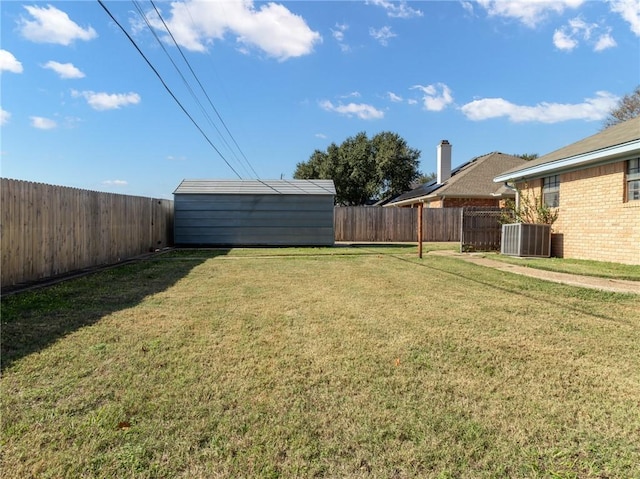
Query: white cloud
pixel 604 41
pixel 50 25
pixel 591 109
pixel 64 70
pixel 107 101
pixel 5 116
pixel 577 30
pixel 353 94
pixel 397 9
pixel 322 136
pixel 115 182
pixel 42 123
pixel 435 97
pixel 529 12
pixel 9 63
pixel 271 28
pixel 630 12
pixel 338 35
pixel 359 110
pixel 582 28
pixel 382 35
pixel 393 97
pixel 564 41
pixel 468 7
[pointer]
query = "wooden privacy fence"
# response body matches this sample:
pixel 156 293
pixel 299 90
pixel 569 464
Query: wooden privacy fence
pixel 375 224
pixel 372 224
pixel 477 228
pixel 441 224
pixel 49 230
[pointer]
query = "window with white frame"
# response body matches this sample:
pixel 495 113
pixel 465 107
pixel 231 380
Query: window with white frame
pixel 633 179
pixel 551 191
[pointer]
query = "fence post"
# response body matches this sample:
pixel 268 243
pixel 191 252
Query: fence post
pixel 420 206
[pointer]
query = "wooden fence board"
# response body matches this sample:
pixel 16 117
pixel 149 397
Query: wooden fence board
pixel 48 230
pixel 481 229
pixel 376 224
pixel 441 224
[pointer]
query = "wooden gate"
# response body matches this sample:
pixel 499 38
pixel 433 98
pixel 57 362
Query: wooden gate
pixel 480 229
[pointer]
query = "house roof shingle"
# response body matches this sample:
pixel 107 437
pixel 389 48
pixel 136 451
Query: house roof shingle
pixel 619 134
pixel 473 179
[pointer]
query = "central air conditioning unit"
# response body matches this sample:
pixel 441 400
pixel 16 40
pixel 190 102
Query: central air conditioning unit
pixel 526 239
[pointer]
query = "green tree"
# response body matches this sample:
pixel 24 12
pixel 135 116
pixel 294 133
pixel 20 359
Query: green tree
pixel 422 179
pixel 627 108
pixel 528 156
pixel 364 169
pixel 397 164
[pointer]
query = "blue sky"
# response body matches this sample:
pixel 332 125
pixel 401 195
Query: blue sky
pixel 81 107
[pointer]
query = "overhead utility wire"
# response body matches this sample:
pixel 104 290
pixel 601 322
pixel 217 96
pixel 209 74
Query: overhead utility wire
pixel 184 80
pixel 188 86
pixel 203 89
pixel 205 93
pixel 167 88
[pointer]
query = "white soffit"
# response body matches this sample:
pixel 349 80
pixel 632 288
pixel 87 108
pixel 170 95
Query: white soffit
pixel 607 154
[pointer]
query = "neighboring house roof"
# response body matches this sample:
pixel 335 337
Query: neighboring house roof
pixel 414 184
pixel 257 187
pixel 473 179
pixel 609 145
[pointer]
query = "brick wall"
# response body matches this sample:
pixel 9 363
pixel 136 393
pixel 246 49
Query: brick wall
pixel 595 221
pixel 460 202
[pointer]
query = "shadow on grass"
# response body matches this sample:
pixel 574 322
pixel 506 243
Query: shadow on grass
pixel 34 319
pixel 542 284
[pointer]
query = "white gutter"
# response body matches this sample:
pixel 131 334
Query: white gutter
pixel 410 201
pixel 612 153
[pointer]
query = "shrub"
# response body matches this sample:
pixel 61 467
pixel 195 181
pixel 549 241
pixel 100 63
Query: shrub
pixel 530 209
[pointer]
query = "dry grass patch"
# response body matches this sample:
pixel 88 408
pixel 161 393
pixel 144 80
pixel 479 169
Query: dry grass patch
pixel 374 364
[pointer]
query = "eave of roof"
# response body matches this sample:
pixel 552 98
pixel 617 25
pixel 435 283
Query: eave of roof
pixel 611 144
pixel 421 199
pixel 408 201
pixel 604 155
pixel 415 195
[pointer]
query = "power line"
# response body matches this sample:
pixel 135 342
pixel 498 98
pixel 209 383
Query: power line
pixel 167 87
pixel 202 88
pixel 186 82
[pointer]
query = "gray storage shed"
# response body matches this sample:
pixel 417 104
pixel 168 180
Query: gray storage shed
pixel 254 213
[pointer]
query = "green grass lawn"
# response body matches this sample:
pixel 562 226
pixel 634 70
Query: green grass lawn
pixel 601 269
pixel 318 362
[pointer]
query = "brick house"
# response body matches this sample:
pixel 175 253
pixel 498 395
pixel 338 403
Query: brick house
pixel 595 183
pixel 470 184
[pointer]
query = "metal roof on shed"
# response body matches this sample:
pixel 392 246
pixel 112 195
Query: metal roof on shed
pixel 257 187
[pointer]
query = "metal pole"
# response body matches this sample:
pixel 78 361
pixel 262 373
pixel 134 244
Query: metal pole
pixel 420 206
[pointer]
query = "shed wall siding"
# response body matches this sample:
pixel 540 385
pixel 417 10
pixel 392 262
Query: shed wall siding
pixel 253 220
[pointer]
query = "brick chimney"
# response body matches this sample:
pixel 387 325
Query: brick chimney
pixel 444 161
